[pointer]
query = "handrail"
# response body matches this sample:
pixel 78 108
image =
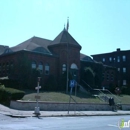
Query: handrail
pixel 114 95
pixel 110 93
pixel 100 90
pixel 87 85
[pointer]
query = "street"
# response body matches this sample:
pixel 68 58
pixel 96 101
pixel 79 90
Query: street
pixel 62 123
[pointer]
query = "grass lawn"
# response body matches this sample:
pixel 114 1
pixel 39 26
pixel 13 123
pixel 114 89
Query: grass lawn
pixel 63 97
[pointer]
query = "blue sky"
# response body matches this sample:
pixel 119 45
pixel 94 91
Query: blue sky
pixel 99 26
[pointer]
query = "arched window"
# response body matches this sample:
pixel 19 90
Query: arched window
pixel 47 69
pixel 74 66
pixel 11 64
pixel 40 67
pixel 3 66
pixel 33 65
pixel 7 65
pixel 63 68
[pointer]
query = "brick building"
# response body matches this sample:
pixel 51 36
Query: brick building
pixel 120 60
pixel 105 75
pixel 50 57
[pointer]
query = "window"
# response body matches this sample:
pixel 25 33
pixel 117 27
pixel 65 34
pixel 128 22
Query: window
pixel 63 68
pixel 112 78
pixel 107 77
pixel 118 69
pixel 110 59
pixel 124 82
pixel 7 65
pixel 103 59
pixel 124 70
pixel 114 59
pixel 11 64
pixel 40 67
pixel 47 69
pixel 124 58
pixel 118 59
pixel 3 66
pixel 33 65
pixel 118 82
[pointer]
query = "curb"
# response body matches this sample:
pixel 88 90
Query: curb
pixel 63 115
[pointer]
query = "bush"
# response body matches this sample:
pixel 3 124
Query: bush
pixel 2 92
pixel 14 94
pixel 7 94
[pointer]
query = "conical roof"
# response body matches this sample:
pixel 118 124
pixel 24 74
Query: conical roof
pixel 63 38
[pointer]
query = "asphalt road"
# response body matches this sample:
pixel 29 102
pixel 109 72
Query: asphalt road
pixel 62 123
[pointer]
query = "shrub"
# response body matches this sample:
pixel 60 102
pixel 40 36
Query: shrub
pixel 2 92
pixel 14 94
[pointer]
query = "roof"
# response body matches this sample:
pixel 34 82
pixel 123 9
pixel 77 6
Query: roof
pixel 3 49
pixel 63 38
pixel 117 51
pixel 34 44
pixel 86 58
pixel 41 45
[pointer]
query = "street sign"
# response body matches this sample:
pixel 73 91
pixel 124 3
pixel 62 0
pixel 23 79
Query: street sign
pixel 72 83
pixel 38 87
pixel 37 97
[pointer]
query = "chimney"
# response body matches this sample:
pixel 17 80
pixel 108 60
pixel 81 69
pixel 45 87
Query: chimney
pixel 118 49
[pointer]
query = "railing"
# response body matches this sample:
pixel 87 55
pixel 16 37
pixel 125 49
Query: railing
pixel 87 85
pixel 103 94
pixel 111 94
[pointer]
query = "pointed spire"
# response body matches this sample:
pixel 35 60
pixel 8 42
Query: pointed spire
pixel 67 27
pixel 64 27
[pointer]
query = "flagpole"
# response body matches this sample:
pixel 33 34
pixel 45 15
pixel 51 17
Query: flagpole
pixel 67 58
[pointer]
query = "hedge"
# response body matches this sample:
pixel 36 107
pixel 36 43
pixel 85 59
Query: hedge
pixel 10 94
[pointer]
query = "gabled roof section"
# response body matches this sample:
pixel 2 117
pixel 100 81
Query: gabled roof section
pixel 35 44
pixel 3 49
pixel 63 38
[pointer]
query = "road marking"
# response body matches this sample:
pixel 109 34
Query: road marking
pixel 112 125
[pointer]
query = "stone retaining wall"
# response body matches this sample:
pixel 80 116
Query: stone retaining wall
pixel 53 106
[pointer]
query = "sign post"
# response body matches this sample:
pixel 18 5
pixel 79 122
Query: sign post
pixel 37 97
pixel 72 85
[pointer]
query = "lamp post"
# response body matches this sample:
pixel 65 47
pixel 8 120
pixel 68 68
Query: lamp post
pixel 37 108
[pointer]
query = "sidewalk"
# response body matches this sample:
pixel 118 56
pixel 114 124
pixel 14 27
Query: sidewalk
pixel 18 113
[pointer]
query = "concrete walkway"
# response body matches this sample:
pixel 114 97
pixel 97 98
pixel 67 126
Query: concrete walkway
pixel 18 113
